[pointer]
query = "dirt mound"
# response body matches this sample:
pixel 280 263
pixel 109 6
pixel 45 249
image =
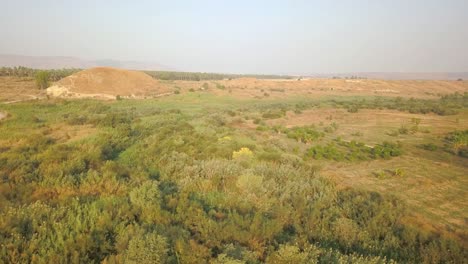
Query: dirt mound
pixel 108 83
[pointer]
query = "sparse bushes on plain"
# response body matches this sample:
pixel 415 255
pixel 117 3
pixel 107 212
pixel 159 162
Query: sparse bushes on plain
pixel 445 105
pixel 306 134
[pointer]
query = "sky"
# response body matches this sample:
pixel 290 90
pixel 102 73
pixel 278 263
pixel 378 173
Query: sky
pixel 242 36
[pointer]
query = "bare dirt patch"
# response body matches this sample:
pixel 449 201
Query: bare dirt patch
pixel 107 83
pixel 15 89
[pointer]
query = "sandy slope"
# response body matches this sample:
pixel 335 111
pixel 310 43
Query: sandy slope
pixel 104 82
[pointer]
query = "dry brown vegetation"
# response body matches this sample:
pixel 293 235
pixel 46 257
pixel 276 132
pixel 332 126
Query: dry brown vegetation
pixel 15 88
pixel 257 88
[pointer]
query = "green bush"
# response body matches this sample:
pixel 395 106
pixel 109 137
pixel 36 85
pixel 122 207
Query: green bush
pixel 305 134
pixel 457 143
pixel 42 79
pixel 387 150
pixel 329 151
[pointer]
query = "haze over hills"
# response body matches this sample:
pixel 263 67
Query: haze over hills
pixel 398 75
pixel 57 62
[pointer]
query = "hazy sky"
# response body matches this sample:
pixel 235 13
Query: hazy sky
pixel 295 37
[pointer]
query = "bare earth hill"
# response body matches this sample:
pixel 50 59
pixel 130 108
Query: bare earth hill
pixel 105 82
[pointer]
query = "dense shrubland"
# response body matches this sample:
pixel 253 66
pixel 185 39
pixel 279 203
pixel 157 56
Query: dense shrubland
pixel 162 185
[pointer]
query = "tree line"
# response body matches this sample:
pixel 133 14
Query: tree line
pixel 57 74
pixel 53 74
pixel 204 76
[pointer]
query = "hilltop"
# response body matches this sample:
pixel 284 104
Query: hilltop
pixel 106 82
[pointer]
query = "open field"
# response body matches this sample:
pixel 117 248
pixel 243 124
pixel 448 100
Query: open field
pixel 244 168
pixel 255 88
pixel 264 89
pixel 14 88
pixel 17 89
pixel 234 132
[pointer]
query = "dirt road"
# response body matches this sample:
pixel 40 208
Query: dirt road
pixel 32 97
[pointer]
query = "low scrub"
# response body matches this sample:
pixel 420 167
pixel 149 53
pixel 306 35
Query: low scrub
pixel 274 114
pixel 305 134
pixel 457 143
pixel 354 151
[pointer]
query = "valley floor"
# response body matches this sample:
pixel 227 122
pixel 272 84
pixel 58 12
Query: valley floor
pixel 203 176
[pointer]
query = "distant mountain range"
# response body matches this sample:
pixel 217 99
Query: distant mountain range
pixel 57 62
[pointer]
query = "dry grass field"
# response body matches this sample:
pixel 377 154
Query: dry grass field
pixel 15 89
pixel 112 82
pixel 256 88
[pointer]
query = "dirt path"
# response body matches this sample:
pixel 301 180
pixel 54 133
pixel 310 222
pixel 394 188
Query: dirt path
pixel 32 97
pixel 163 94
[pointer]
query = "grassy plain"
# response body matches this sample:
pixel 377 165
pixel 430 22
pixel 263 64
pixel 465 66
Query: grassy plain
pixel 432 184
